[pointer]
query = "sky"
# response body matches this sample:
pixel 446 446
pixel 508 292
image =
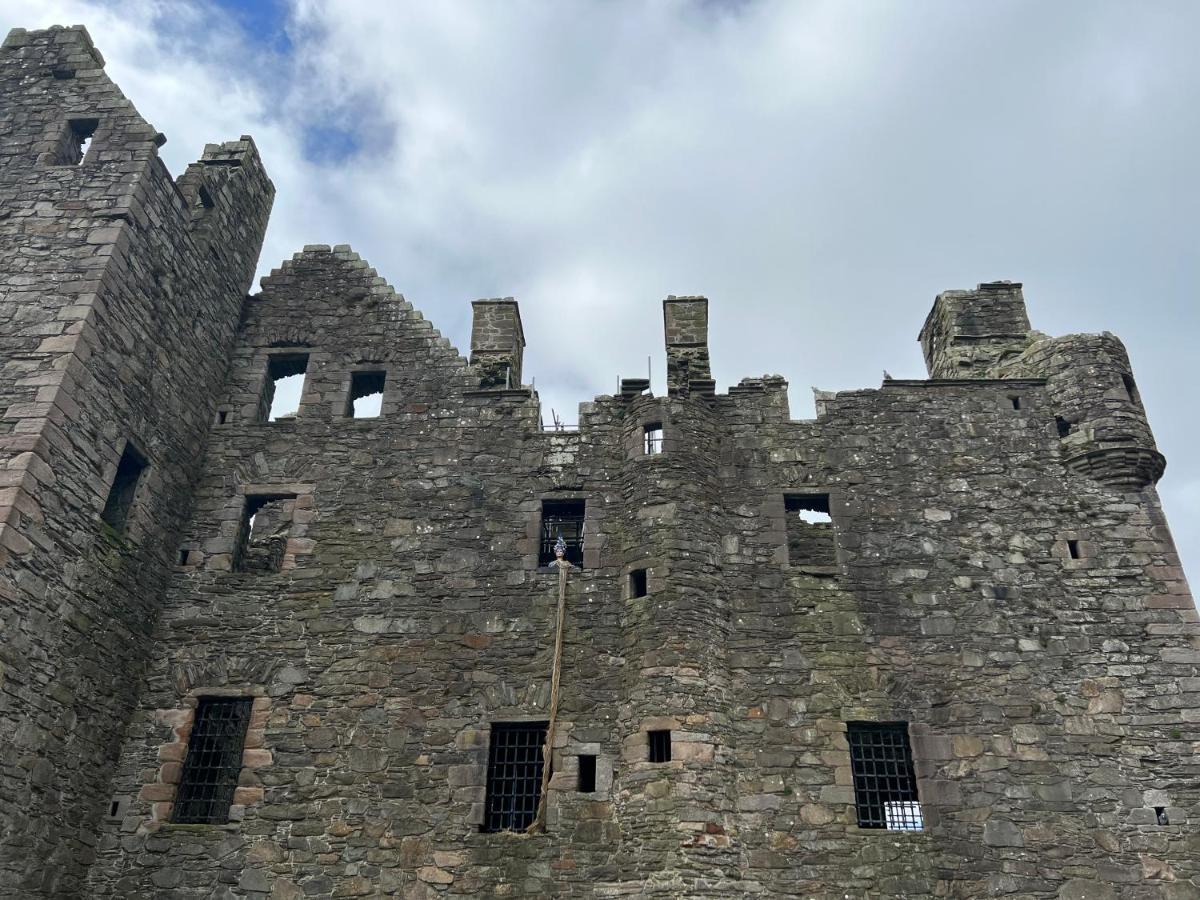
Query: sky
pixel 820 169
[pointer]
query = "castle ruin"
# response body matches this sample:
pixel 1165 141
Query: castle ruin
pixel 933 643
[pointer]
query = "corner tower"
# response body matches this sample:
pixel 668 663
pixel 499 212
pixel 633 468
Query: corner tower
pixel 122 290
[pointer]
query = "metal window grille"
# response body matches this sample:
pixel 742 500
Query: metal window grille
pixel 885 785
pixel 213 761
pixel 514 781
pixel 565 518
pixel 660 746
pixel 654 438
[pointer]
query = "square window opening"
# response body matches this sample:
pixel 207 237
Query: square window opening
pixel 213 762
pixel 263 532
pixel 659 746
pixel 1131 390
pixel 1063 426
pixel 366 395
pixel 76 141
pixel 885 783
pixel 123 489
pixel 587 774
pixel 637 583
pixel 565 519
pixel 1160 815
pixel 514 775
pixel 810 535
pixel 1016 402
pixel 652 437
pixel 1073 549
pixel 222 416
pixel 284 386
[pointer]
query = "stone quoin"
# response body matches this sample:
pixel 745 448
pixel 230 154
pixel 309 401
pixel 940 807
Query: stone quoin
pixel 933 643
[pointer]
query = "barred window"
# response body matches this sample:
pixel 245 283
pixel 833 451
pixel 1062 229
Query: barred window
pixel 214 760
pixel 562 518
pixel 885 785
pixel 659 744
pixel 514 777
pixel 653 438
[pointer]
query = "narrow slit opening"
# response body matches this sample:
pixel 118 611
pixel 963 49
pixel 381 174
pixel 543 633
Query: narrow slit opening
pixel 587 774
pixel 1073 549
pixel 123 489
pixel 637 583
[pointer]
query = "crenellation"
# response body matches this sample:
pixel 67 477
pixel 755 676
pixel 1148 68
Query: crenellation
pixel 938 563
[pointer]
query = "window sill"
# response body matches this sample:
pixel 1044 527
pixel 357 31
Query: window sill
pixel 553 570
pixel 815 571
pixel 197 827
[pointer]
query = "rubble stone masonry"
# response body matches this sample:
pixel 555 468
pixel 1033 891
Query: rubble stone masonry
pixel 997 573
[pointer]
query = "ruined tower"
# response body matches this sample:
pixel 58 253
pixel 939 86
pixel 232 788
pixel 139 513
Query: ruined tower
pixel 934 642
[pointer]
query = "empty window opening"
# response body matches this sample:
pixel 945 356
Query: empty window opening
pixel 1016 402
pixel 637 583
pixel 1063 426
pixel 587 774
pixel 285 383
pixel 366 395
pixel 183 557
pixel 1160 815
pixel 222 416
pixel 659 746
pixel 123 489
pixel 77 141
pixel 514 775
pixel 885 784
pixel 263 532
pixel 204 199
pixel 213 762
pixel 562 518
pixel 1073 549
pixel 653 438
pixel 1131 390
pixel 62 73
pixel 810 534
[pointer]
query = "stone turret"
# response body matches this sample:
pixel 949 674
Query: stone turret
pixel 686 324
pixel 497 342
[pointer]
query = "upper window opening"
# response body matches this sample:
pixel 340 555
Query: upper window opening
pixel 1016 402
pixel 885 784
pixel 124 488
pixel 1073 549
pixel 263 532
pixel 214 760
pixel 810 533
pixel 514 776
pixel 565 519
pixel 204 199
pixel 1131 390
pixel 75 141
pixel 1160 815
pixel 366 395
pixel 637 583
pixel 285 383
pixel 659 746
pixel 653 438
pixel 1063 426
pixel 587 774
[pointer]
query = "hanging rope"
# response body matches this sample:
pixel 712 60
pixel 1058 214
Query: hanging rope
pixel 539 822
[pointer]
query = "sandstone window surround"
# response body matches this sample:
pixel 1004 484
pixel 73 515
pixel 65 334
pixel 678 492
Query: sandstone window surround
pixel 885 781
pixel 658 745
pixel 514 775
pixel 161 791
pixel 213 762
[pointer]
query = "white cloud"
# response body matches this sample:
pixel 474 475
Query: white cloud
pixel 819 169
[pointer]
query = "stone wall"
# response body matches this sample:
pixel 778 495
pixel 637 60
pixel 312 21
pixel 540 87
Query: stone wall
pixel 117 321
pixel 1008 590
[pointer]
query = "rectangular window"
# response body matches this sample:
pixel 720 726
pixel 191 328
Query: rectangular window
pixel 659 746
pixel 653 437
pixel 263 532
pixel 285 383
pixel 514 776
pixel 810 534
pixel 1073 549
pixel 885 785
pixel 214 760
pixel 75 141
pixel 637 583
pixel 587 774
pixel 1131 390
pixel 562 518
pixel 123 489
pixel 366 395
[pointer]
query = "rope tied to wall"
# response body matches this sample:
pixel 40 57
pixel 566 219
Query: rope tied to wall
pixel 560 562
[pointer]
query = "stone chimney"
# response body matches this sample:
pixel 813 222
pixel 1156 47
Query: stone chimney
pixel 686 323
pixel 497 343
